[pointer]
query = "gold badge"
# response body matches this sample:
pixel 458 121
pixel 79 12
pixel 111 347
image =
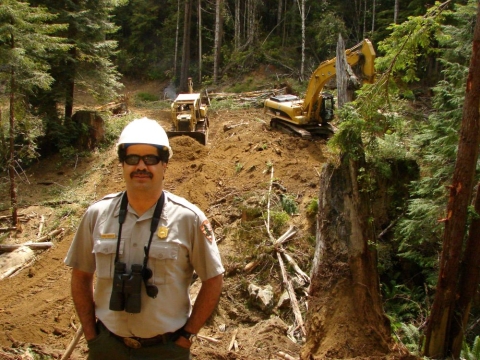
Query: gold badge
pixel 162 232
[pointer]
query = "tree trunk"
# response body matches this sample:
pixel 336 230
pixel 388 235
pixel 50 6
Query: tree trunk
pixel 341 76
pixel 251 30
pixel 279 15
pixel 468 284
pixel 395 11
pixel 440 334
pixel 237 36
pixel 11 162
pixel 344 292
pixel 177 30
pixel 70 84
pixel 373 18
pixel 302 17
pixel 186 46
pixel 71 68
pixel 218 44
pixel 199 41
pixel 284 33
pixel 365 20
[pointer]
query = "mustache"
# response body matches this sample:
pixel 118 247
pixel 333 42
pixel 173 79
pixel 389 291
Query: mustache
pixel 141 173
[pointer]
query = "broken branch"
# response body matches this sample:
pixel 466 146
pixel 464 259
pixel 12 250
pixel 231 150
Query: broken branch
pixel 232 342
pixel 297 269
pixel 208 338
pixel 291 293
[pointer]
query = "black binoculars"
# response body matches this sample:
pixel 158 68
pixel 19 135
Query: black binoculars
pixel 127 288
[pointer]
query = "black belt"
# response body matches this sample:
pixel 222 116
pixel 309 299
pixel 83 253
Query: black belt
pixel 137 342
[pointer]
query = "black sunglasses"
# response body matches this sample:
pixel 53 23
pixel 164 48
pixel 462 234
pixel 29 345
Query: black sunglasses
pixel 133 159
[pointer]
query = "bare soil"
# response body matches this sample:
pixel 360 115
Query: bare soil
pixel 229 179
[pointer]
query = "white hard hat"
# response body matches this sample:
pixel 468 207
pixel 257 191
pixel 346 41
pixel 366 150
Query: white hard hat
pixel 144 131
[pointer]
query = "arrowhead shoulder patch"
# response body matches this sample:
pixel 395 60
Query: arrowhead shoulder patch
pixel 207 230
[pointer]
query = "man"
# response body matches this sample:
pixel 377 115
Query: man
pixel 143 245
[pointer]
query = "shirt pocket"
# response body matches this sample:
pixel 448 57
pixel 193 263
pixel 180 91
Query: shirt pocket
pixel 164 257
pixel 105 251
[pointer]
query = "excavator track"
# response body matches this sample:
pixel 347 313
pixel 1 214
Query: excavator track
pixel 306 132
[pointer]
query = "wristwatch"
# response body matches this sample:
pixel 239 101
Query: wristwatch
pixel 187 335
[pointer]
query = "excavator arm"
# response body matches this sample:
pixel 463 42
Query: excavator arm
pixel 311 116
pixel 326 70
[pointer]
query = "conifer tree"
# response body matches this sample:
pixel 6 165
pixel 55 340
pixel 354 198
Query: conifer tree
pixel 25 43
pixel 88 64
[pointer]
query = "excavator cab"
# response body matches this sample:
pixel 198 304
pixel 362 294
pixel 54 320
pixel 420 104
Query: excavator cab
pixel 328 108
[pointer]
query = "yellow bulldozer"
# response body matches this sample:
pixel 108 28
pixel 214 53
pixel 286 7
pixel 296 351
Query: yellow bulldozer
pixel 311 116
pixel 189 116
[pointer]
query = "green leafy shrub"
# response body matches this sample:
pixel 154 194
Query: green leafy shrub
pixel 146 97
pixel 278 220
pixel 472 353
pixel 312 207
pixel 289 204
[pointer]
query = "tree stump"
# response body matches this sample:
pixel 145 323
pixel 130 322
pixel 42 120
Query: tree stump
pixel 346 318
pixel 92 128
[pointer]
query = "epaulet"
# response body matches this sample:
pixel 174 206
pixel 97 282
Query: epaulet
pixel 110 196
pixel 184 202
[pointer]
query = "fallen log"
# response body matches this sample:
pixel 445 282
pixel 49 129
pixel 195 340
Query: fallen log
pixel 50 235
pixel 31 245
pixel 14 261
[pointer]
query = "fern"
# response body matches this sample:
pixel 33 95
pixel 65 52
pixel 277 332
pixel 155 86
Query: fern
pixel 473 353
pixel 410 337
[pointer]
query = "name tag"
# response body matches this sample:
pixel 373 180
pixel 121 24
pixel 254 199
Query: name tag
pixel 108 236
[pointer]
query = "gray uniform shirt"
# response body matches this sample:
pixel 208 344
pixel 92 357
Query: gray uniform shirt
pixel 184 242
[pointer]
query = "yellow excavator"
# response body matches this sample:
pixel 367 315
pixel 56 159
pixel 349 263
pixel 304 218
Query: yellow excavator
pixel 311 116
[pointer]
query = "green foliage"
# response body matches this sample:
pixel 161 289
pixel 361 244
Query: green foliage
pixel 238 167
pixel 289 205
pixel 312 207
pixel 420 233
pixel 324 29
pixel 146 97
pixel 28 129
pixel 269 165
pixel 229 104
pixel 409 44
pixel 114 127
pixel 402 303
pixel 472 353
pixel 26 41
pixel 278 221
pixel 410 336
